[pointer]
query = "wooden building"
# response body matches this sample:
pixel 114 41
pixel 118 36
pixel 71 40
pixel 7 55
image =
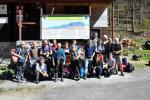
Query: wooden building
pixel 33 9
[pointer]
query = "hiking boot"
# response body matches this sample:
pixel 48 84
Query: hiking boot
pixel 55 80
pixel 78 78
pixel 62 79
pixel 116 73
pixel 122 74
pixel 37 82
pixel 99 77
pixel 85 77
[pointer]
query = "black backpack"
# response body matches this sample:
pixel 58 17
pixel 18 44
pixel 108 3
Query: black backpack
pixel 130 68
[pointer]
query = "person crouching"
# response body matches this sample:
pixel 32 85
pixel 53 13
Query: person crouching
pixel 41 69
pixel 110 66
pixel 97 65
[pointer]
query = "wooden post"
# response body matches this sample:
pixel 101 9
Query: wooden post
pixel 112 20
pixel 20 25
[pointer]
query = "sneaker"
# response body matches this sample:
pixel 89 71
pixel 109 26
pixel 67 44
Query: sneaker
pixel 18 80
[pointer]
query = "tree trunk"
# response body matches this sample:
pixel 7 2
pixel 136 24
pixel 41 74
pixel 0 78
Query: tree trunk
pixel 132 16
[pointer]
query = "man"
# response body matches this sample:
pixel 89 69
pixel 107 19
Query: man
pixel 46 52
pixel 111 65
pixel 89 54
pixel 59 60
pixel 74 63
pixel 74 43
pixel 41 69
pixel 108 49
pixel 33 57
pixel 95 40
pixel 22 55
pixel 117 49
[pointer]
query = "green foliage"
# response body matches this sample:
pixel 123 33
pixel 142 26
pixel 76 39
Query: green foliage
pixel 145 53
pixel 140 63
pixel 146 24
pixel 6 73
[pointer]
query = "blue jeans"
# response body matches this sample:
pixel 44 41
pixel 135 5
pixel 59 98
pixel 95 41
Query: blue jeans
pixel 88 66
pixel 20 71
pixel 99 69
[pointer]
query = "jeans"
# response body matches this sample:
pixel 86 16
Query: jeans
pixel 20 71
pixel 99 69
pixel 88 66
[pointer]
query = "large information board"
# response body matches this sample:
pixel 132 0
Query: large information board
pixel 65 27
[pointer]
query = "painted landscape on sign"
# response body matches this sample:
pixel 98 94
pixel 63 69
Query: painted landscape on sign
pixel 66 27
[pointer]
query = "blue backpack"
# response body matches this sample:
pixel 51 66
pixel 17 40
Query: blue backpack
pixel 125 61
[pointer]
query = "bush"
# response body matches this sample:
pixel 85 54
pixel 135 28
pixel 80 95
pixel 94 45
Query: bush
pixel 6 73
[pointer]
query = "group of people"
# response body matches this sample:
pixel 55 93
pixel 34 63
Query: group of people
pixel 51 59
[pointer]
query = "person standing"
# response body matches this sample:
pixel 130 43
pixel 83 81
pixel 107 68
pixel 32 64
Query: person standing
pixel 22 55
pixel 33 57
pixel 117 49
pixel 74 63
pixel 46 50
pixel 95 40
pixel 66 48
pixel 59 60
pixel 54 45
pixel 108 49
pixel 89 54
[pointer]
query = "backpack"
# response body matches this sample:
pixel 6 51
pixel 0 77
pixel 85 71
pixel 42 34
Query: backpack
pixel 67 71
pixel 14 59
pixel 124 61
pixel 136 57
pixel 130 68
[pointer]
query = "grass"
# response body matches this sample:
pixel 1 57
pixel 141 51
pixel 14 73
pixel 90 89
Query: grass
pixel 146 24
pixel 144 59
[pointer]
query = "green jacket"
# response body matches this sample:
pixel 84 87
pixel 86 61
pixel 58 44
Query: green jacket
pixel 54 55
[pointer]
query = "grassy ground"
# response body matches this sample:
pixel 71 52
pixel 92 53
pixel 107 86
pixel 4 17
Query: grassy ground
pixel 143 60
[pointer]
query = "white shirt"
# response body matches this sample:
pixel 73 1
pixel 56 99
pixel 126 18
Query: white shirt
pixel 101 48
pixel 42 68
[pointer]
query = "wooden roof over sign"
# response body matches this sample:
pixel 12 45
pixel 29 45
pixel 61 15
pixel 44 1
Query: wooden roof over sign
pixel 54 1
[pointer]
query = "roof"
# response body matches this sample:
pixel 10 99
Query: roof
pixel 54 1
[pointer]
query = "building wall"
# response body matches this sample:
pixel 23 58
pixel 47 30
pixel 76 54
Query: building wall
pixel 9 32
pixel 5 48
